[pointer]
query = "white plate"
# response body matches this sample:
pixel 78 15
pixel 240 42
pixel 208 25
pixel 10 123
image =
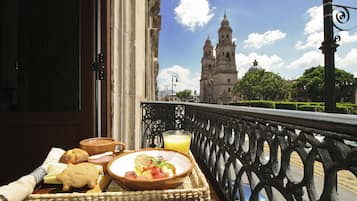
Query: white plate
pixel 125 162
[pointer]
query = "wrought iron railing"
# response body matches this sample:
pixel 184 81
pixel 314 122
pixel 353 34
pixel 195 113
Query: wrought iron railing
pixel 242 148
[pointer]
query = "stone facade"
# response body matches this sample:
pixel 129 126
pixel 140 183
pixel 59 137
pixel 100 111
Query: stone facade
pixel 135 26
pixel 219 72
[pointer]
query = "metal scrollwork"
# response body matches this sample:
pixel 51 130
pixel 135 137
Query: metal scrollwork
pixel 337 38
pixel 342 16
pixel 253 154
pixel 157 118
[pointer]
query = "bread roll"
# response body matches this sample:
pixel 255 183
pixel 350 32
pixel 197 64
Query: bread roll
pixel 74 156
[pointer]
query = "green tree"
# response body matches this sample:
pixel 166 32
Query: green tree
pixel 310 86
pixel 184 94
pixel 262 85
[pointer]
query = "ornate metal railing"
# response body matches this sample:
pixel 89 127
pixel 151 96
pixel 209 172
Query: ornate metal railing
pixel 242 148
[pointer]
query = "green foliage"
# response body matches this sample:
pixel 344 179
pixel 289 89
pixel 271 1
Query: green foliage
pixel 286 105
pixel 345 86
pixel 351 108
pixel 184 94
pixel 241 103
pixel 310 86
pixel 313 108
pixel 343 108
pixel 255 103
pixel 262 85
pixel 264 104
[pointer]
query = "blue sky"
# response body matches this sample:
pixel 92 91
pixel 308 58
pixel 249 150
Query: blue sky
pixel 284 37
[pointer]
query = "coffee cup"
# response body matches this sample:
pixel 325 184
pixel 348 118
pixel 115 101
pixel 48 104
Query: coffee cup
pixel 98 145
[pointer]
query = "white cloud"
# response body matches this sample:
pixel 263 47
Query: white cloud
pixel 309 59
pixel 314 31
pixel 313 41
pixel 347 38
pixel 256 40
pixel 349 59
pixel 186 79
pixel 315 24
pixel 265 61
pixel 192 14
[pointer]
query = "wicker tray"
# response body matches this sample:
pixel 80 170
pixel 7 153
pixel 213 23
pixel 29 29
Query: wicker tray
pixel 194 187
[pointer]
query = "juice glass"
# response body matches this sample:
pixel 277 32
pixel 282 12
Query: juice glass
pixel 178 140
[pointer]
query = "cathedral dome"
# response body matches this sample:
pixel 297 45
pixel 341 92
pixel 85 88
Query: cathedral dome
pixel 208 42
pixel 255 66
pixel 225 23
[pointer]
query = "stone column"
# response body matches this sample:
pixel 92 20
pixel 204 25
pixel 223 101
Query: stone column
pixel 128 69
pixel 133 64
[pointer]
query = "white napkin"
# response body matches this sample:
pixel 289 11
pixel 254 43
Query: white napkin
pixel 23 187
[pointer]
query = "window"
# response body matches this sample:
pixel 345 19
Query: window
pixel 229 80
pixel 229 89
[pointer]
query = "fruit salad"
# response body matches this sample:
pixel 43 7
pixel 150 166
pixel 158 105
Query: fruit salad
pixel 149 168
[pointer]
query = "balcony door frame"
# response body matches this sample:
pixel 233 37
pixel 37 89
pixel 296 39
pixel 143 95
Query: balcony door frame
pixel 27 137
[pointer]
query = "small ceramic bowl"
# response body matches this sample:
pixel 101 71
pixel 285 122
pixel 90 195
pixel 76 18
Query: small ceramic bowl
pixel 125 162
pixel 100 145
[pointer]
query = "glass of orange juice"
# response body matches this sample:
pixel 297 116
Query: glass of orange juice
pixel 178 140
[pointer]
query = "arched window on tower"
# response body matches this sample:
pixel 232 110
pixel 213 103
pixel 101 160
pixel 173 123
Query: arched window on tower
pixel 227 55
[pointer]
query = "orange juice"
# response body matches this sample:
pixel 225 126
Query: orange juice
pixel 177 140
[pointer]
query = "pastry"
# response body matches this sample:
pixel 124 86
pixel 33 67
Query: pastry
pixel 74 156
pixel 79 175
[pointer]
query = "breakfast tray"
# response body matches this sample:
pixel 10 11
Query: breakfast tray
pixel 194 187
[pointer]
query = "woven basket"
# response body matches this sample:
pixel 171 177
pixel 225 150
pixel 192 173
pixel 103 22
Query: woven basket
pixel 194 187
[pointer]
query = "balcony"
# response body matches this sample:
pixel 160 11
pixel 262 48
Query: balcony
pixel 251 153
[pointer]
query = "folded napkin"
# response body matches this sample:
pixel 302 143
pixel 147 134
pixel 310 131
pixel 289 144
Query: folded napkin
pixel 23 187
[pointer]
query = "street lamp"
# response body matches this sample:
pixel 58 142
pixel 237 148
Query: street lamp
pixel 174 78
pixel 329 46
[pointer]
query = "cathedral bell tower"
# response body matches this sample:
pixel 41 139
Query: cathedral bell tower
pixel 208 63
pixel 219 72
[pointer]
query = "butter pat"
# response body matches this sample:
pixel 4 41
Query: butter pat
pixel 54 169
pixel 108 153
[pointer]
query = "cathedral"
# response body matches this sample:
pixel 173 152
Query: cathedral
pixel 219 72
